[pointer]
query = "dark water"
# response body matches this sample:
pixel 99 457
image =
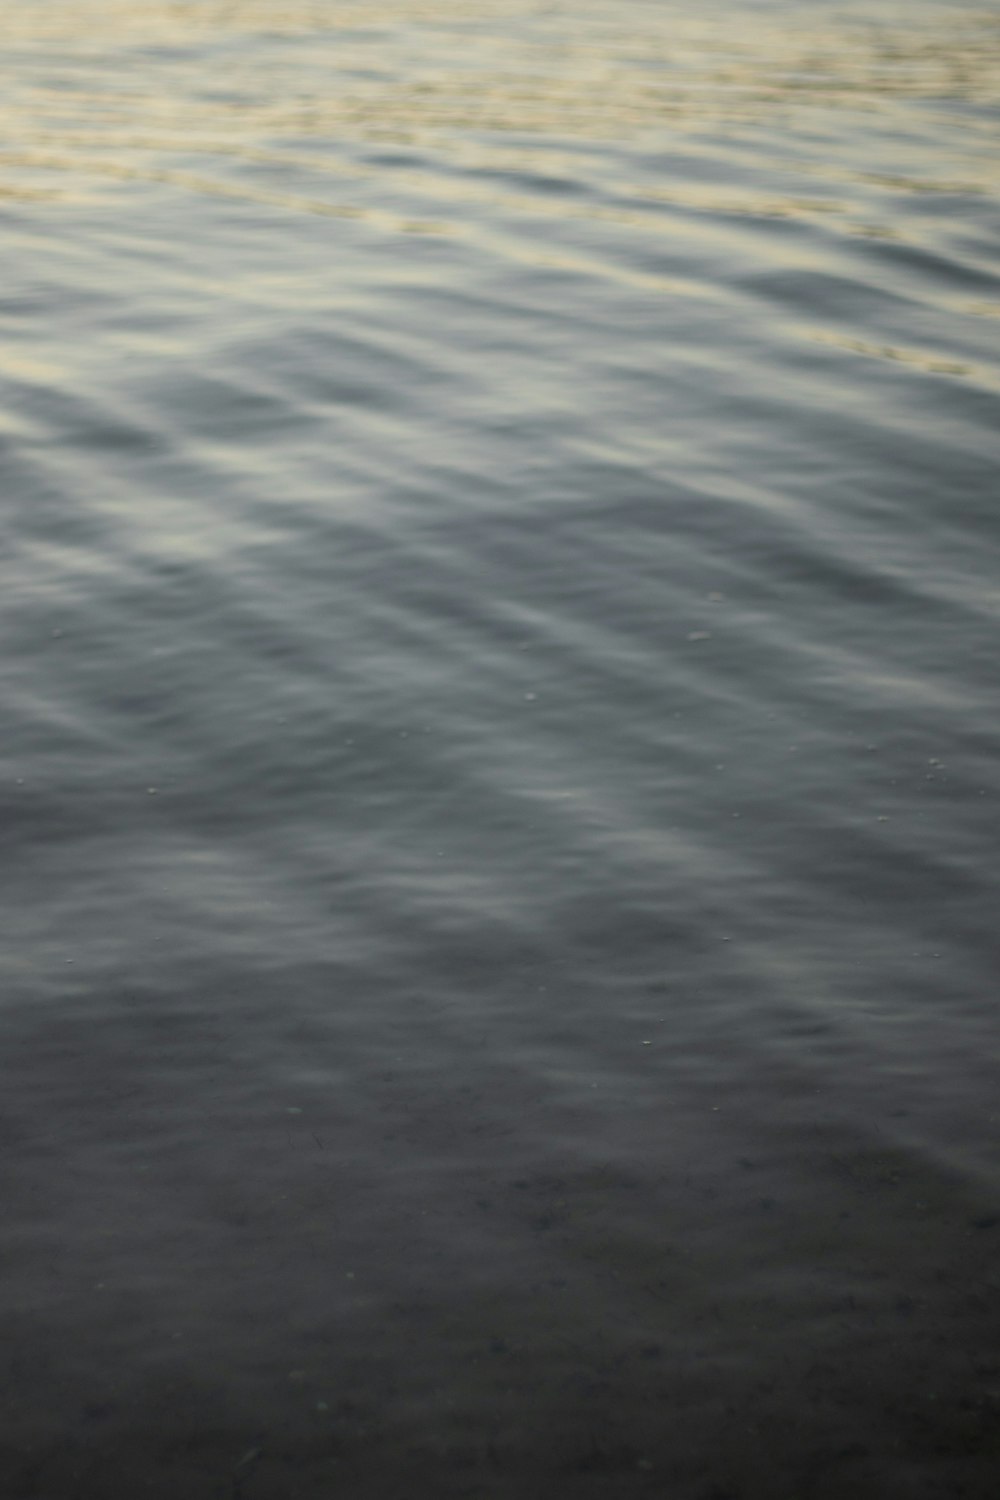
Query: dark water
pixel 500 750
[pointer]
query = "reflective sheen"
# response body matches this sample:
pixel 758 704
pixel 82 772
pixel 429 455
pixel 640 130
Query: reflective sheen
pixel 500 760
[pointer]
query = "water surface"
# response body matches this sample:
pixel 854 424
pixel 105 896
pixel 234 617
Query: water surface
pixel 500 757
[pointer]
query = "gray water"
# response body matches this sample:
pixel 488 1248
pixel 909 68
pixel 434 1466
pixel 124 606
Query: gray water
pixel 500 750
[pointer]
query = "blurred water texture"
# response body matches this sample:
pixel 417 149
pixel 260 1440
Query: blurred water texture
pixel 500 757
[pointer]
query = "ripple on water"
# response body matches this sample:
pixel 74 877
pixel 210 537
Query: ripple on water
pixel 500 600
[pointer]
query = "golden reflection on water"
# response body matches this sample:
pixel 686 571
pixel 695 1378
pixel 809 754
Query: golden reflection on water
pixel 220 74
pixel 443 118
pixel 920 359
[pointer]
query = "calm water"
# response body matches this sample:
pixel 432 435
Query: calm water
pixel 500 750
